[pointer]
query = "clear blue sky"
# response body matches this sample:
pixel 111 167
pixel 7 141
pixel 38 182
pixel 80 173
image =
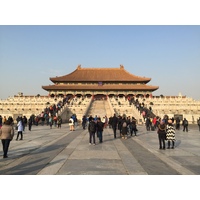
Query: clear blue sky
pixel 170 55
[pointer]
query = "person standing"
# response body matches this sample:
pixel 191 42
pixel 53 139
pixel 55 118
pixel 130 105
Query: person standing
pixel 24 122
pixel 185 125
pixel 71 124
pixel 178 123
pixel 84 121
pixel 6 135
pixel 1 121
pixel 198 123
pixel 162 134
pixel 124 128
pixel 148 124
pixel 100 127
pixel 170 134
pixel 59 121
pixel 133 126
pixel 30 123
pixel 92 130
pixel 20 129
pixel 51 121
pixel 114 123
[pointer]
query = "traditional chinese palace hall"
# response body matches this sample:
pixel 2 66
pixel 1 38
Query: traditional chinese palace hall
pixel 100 82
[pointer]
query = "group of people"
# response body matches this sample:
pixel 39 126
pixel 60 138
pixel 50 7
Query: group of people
pixel 152 123
pixel 125 126
pixel 95 126
pixel 166 132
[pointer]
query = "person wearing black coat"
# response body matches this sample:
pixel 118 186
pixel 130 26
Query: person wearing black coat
pixel 100 126
pixel 114 124
pixel 162 134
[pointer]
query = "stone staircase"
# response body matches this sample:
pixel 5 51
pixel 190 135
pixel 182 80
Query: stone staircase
pixel 100 108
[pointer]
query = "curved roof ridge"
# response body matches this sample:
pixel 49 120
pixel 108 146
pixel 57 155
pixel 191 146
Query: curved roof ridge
pixel 122 68
pixel 100 74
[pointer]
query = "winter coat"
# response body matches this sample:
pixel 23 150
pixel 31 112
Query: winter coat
pixel 6 132
pixel 71 122
pixel 20 126
pixel 170 132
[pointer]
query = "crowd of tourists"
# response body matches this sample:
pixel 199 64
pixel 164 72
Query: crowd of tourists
pixel 96 126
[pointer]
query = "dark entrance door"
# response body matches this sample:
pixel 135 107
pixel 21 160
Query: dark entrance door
pixel 100 97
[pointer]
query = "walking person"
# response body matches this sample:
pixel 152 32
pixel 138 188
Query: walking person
pixel 185 125
pixel 170 134
pixel 6 135
pixel 20 129
pixel 100 127
pixel 162 134
pixel 92 130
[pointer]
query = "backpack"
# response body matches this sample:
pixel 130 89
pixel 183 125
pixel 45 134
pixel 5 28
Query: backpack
pixel 186 122
pixel 124 124
pixel 92 127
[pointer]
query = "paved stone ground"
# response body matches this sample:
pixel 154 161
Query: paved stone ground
pixel 46 151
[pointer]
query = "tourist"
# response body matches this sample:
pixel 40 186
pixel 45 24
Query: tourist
pixel 100 127
pixel 148 124
pixel 120 125
pixel 198 123
pixel 92 130
pixel 59 121
pixel 178 121
pixel 84 121
pixel 124 128
pixel 71 124
pixel 30 123
pixel 55 119
pixel 20 129
pixel 6 135
pixel 114 124
pixel 133 126
pixel 185 125
pixel 1 121
pixel 162 134
pixel 24 122
pixel 51 121
pixel 170 134
pixel 4 119
pixel 104 121
pixel 110 122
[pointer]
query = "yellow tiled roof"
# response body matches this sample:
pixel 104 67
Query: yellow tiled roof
pixel 100 74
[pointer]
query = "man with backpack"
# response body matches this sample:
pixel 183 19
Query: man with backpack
pixel 92 130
